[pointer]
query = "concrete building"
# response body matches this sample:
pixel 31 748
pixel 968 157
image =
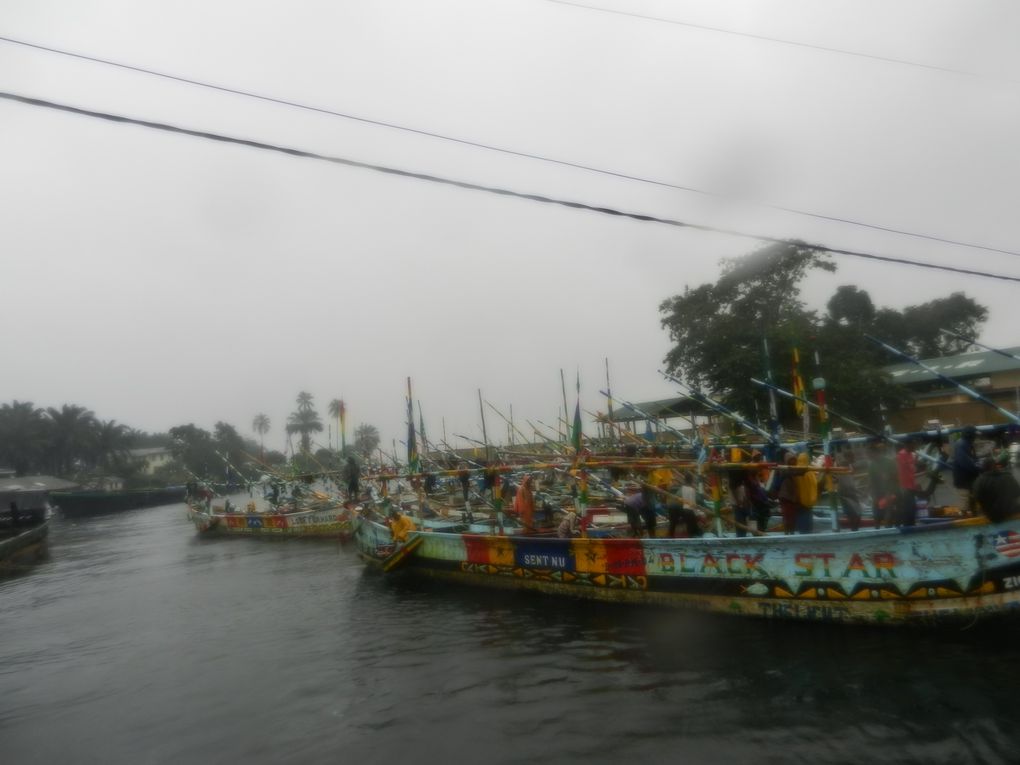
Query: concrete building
pixel 151 459
pixel 991 374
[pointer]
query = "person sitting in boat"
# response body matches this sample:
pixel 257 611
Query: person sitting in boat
pixel 400 525
pixel 568 527
pixel 996 491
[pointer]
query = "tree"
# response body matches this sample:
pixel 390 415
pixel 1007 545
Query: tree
pixel 112 442
pixel 366 441
pixel 194 447
pixel 71 437
pixel 718 331
pixel 261 426
pixel 304 421
pixel 23 436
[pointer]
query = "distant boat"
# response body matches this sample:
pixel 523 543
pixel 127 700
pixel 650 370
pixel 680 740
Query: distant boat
pixel 73 504
pixel 325 520
pixel 24 522
pixel 926 575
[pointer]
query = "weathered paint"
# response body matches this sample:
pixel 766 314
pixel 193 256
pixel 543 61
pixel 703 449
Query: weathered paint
pixel 889 575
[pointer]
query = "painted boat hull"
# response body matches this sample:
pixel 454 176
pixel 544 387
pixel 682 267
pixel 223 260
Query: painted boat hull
pixel 315 524
pixel 923 575
pixel 23 546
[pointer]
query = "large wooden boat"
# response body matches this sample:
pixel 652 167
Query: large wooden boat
pixel 333 522
pixel 957 570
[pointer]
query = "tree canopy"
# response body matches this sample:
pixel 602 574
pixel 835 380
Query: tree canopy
pixel 719 332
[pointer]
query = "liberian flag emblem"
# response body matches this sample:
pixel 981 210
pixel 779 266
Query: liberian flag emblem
pixel 1007 543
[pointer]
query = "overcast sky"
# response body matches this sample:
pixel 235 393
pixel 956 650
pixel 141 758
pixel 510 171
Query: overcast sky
pixel 161 279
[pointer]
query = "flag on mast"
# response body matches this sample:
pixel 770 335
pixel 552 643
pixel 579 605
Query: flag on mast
pixel 413 464
pixel 798 390
pixel 576 435
pixel 343 426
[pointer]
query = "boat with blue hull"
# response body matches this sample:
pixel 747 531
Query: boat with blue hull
pixel 924 575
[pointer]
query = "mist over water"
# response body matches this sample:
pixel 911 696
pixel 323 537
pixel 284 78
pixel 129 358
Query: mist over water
pixel 139 642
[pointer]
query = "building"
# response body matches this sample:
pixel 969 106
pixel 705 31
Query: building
pixel 151 459
pixel 993 375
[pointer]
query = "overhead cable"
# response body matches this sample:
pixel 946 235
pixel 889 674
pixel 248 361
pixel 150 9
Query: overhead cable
pixel 499 149
pixel 766 38
pixel 479 187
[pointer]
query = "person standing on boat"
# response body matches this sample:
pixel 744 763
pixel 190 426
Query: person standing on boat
pixel 884 484
pixel 996 490
pixel 849 495
pixel 788 496
pixel 966 468
pixel 740 502
pixel 807 494
pixel 906 472
pixel 352 476
pixel 634 505
pixel 524 504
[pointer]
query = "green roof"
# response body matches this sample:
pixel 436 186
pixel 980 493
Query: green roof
pixel 959 367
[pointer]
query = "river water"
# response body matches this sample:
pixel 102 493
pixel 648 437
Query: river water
pixel 138 642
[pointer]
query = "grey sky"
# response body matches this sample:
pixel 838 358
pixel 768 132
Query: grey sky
pixel 161 279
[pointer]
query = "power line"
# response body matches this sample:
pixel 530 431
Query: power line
pixel 499 149
pixel 478 187
pixel 765 38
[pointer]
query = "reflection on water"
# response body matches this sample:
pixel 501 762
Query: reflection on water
pixel 139 642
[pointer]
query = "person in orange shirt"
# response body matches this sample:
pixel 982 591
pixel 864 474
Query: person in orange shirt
pixel 524 504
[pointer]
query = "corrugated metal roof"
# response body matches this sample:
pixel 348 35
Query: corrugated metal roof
pixel 681 406
pixel 957 367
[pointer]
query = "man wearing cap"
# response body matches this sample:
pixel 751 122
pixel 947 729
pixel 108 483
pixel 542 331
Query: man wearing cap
pixel 966 468
pixel 996 491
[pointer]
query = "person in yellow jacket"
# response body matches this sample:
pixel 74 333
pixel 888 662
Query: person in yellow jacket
pixel 400 526
pixel 807 494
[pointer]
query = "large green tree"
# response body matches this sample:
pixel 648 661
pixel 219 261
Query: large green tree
pixel 719 332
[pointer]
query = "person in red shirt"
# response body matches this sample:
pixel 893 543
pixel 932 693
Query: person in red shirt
pixel 906 471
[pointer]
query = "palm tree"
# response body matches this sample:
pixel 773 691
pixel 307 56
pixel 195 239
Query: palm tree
pixel 366 439
pixel 23 431
pixel 305 420
pixel 73 430
pixel 112 440
pixel 261 426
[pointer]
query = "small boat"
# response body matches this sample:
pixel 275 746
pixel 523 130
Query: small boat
pixel 930 574
pixel 323 521
pixel 24 523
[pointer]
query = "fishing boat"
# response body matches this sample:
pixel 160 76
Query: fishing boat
pixel 925 575
pixel 24 522
pixel 320 520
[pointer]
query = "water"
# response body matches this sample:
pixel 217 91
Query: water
pixel 138 642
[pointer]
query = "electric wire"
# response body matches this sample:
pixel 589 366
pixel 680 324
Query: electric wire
pixel 766 38
pixel 37 102
pixel 499 149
